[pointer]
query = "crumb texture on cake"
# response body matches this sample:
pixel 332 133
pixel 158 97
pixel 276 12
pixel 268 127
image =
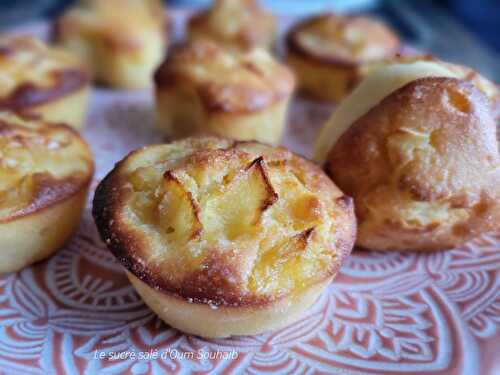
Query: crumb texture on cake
pixel 425 170
pixel 222 222
pixel 40 164
pixel 226 81
pixel 32 74
pixel 241 24
pixel 343 40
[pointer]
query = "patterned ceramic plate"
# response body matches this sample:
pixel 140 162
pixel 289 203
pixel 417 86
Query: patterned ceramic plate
pixel 385 313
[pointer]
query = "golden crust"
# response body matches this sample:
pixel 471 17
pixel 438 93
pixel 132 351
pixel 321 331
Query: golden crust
pixel 226 223
pixel 238 24
pixel 203 88
pixel 425 173
pixel 41 165
pixel 34 76
pixel 328 52
pixel 121 41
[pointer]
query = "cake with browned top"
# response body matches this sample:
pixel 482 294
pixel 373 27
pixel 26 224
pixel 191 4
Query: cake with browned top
pixel 222 237
pixel 204 88
pixel 45 172
pixel 328 52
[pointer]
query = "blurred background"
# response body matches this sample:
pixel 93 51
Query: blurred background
pixel 461 31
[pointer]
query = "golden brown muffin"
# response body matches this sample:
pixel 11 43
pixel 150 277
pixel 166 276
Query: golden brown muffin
pixel 46 81
pixel 421 162
pixel 328 52
pixel 203 88
pixel 223 237
pixel 238 24
pixel 122 41
pixel 45 171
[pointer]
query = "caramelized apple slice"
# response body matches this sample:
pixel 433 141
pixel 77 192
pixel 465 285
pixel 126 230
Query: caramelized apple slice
pixel 277 267
pixel 178 211
pixel 239 205
pixel 291 246
pixel 297 244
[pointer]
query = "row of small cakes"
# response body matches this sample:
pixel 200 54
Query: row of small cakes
pixel 211 228
pixel 93 43
pixel 46 168
pixel 123 42
pixel 220 79
pixel 225 237
pixel 201 87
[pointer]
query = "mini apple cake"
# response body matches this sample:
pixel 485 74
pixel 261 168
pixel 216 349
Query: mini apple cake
pixel 45 172
pixel 224 237
pixel 238 24
pixel 203 88
pixel 416 146
pixel 122 41
pixel 328 52
pixel 43 80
